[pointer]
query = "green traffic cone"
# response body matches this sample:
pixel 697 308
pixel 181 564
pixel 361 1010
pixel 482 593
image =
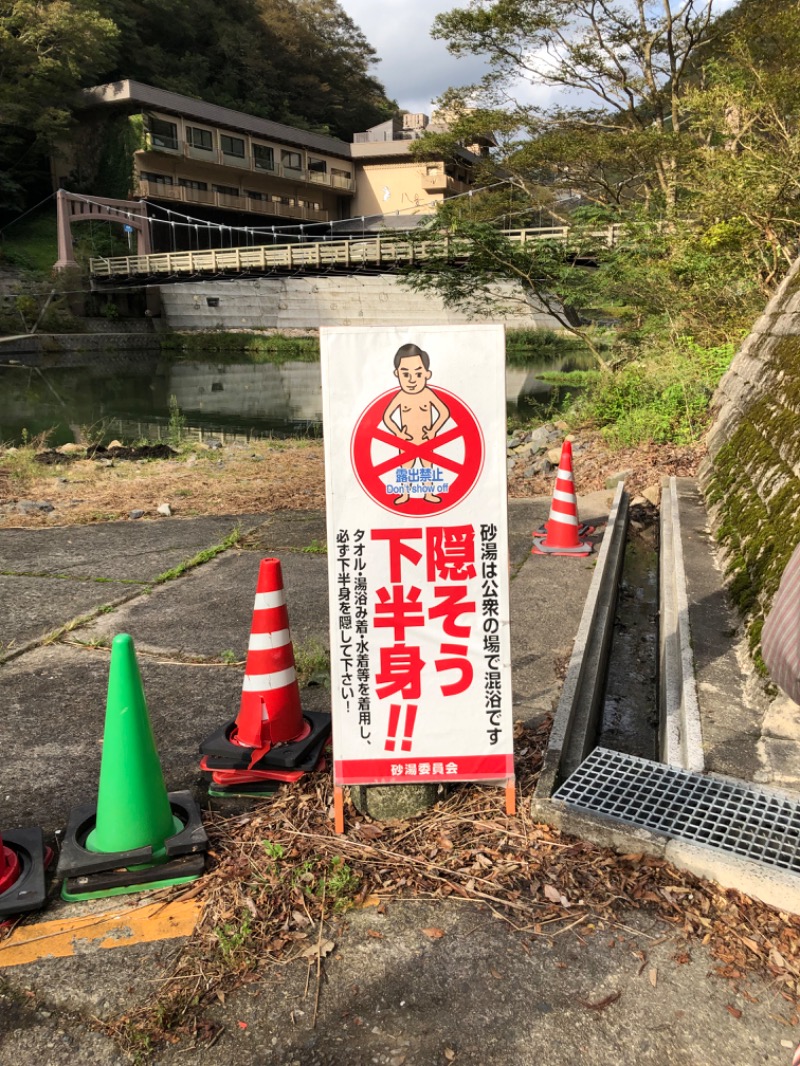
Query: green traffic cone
pixel 133 808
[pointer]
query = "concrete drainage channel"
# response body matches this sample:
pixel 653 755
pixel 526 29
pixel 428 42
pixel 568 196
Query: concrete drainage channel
pixel 737 834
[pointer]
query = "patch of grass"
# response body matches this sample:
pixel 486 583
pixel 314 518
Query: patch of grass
pixel 241 347
pixel 233 936
pixel 312 664
pixel 203 556
pixel 663 397
pixel 32 243
pixel 527 346
pixel 316 547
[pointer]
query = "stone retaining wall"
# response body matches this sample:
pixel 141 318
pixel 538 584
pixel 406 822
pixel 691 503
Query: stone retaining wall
pixel 751 478
pixel 343 300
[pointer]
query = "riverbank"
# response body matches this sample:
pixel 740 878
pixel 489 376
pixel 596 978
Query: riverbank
pixel 262 476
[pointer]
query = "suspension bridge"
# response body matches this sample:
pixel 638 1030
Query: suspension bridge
pixel 383 252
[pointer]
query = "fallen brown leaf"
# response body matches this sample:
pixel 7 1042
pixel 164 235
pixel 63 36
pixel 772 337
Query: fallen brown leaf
pixel 433 933
pixel 601 1004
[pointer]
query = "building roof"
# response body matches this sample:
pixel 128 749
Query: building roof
pixel 129 92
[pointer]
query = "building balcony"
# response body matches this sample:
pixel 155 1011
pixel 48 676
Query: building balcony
pixel 151 190
pixel 441 182
pixel 217 157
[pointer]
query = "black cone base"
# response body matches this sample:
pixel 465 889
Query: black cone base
pixel 303 754
pixel 28 891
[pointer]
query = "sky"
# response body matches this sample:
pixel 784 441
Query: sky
pixel 414 68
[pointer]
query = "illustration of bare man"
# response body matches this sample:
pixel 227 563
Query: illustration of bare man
pixel 416 413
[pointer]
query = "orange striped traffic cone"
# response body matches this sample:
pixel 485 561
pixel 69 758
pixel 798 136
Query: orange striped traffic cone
pixel 562 526
pixel 270 710
pixel 272 739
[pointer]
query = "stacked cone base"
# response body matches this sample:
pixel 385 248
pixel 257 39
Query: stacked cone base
pixel 221 753
pixel 95 875
pixel 251 784
pixel 24 860
pixel 541 547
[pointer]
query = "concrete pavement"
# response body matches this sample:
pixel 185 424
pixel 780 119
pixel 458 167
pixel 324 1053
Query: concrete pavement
pixel 484 994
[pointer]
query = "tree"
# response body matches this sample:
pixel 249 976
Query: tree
pixel 626 64
pixel 48 49
pixel 302 62
pixel 687 133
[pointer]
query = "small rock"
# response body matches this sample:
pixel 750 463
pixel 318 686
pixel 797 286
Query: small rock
pixel 213 443
pixel 614 479
pixel 136 514
pixel 115 444
pixel 554 456
pixel 164 509
pixel 43 505
pixel 561 425
pixel 652 494
pixel 70 449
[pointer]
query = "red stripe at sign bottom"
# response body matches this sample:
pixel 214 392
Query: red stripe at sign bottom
pixel 419 771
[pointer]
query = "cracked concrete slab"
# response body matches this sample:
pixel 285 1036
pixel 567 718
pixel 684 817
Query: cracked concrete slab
pixel 32 607
pixel 210 609
pixel 51 729
pixel 132 551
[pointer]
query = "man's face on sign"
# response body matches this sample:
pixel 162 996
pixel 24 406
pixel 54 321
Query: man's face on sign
pixel 412 375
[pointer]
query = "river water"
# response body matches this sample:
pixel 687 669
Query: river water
pixel 127 395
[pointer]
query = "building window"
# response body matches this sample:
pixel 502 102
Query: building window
pixel 256 195
pixel 162 134
pixel 198 138
pixel 227 190
pixel 292 160
pixel 263 157
pixel 190 183
pixel 156 179
pixel 317 166
pixel 232 145
pixel 337 173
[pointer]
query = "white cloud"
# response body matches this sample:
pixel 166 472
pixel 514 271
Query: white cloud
pixel 414 68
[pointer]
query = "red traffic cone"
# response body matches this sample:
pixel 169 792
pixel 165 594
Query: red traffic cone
pixel 562 525
pixel 10 867
pixel 270 711
pixel 23 860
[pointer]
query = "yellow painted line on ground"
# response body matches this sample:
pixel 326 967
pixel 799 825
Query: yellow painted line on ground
pixel 94 932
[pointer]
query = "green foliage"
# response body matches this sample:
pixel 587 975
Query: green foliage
pixel 31 244
pixel 663 399
pixel 177 423
pixel 238 347
pixel 313 664
pixel 48 50
pixel 233 936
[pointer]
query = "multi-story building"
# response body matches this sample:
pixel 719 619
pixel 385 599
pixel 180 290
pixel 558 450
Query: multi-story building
pixel 226 167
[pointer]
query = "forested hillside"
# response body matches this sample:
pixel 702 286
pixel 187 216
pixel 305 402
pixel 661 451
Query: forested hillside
pixel 303 62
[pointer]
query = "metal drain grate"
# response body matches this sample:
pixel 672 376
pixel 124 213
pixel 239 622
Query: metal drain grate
pixel 733 818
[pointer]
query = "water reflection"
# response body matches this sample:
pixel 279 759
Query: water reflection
pixel 127 395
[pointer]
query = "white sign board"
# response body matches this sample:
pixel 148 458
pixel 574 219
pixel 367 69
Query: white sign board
pixel 415 465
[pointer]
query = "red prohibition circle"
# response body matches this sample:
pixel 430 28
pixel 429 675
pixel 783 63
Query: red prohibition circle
pixel 371 473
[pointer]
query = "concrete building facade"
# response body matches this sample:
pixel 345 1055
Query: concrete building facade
pixel 223 166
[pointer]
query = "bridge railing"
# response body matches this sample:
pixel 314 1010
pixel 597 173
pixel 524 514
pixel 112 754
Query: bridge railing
pixel 380 250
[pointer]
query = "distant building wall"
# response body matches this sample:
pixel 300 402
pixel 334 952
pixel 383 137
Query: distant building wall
pixel 751 477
